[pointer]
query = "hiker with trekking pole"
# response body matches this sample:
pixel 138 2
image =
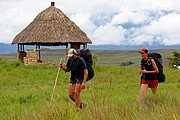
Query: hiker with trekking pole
pixel 149 71
pixel 79 74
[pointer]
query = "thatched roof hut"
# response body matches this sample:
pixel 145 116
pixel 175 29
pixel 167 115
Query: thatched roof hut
pixel 51 27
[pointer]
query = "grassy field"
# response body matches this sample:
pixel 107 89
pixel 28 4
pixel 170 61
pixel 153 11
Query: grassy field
pixel 113 94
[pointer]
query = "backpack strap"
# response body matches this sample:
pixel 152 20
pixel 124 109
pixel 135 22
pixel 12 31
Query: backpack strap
pixel 78 64
pixel 78 60
pixel 149 62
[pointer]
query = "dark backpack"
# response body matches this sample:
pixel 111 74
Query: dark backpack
pixel 87 56
pixel 158 60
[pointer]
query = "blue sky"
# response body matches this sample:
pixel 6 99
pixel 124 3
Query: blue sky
pixel 117 22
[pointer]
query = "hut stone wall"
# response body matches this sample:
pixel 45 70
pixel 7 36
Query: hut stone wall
pixel 31 57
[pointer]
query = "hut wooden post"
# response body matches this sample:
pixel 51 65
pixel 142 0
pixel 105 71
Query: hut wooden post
pixel 39 48
pixel 85 45
pixel 21 53
pixel 18 47
pixel 39 52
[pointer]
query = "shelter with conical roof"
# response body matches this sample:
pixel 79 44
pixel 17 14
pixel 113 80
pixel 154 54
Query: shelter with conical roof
pixel 51 27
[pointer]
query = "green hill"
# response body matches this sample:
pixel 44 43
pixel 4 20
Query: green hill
pixel 105 57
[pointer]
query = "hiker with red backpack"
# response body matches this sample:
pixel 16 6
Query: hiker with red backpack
pixel 149 71
pixel 80 73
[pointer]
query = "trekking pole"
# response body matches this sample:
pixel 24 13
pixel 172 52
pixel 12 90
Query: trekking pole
pixel 55 84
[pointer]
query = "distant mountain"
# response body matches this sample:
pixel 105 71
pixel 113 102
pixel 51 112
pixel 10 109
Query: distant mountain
pixel 10 48
pixel 7 48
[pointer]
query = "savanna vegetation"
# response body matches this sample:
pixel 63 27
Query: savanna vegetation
pixel 113 94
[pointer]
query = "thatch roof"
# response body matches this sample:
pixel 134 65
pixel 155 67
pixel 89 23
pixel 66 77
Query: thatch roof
pixel 51 27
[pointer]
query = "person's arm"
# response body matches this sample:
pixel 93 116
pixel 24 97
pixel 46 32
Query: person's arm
pixel 85 78
pixel 84 66
pixel 155 68
pixel 63 67
pixel 85 75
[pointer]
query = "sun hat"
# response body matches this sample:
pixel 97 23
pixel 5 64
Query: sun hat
pixel 71 52
pixel 143 50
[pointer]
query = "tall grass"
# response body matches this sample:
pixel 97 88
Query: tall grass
pixel 113 94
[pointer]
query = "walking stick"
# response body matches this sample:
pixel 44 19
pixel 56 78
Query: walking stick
pixel 55 84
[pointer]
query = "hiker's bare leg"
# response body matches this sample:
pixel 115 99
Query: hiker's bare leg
pixel 143 91
pixel 77 94
pixel 155 85
pixel 71 91
pixel 154 90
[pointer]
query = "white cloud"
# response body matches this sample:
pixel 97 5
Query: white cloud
pixel 142 39
pixel 124 22
pixel 169 24
pixel 83 21
pixel 109 34
pixel 167 27
pixel 130 16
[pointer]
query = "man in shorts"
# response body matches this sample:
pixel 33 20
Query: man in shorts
pixel 149 71
pixel 79 75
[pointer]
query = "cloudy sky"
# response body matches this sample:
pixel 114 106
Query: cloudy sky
pixel 118 22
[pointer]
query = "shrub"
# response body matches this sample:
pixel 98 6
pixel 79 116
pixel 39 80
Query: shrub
pixel 95 59
pixel 175 60
pixel 15 63
pixel 126 63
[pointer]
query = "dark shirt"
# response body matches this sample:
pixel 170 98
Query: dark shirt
pixel 147 65
pixel 77 68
